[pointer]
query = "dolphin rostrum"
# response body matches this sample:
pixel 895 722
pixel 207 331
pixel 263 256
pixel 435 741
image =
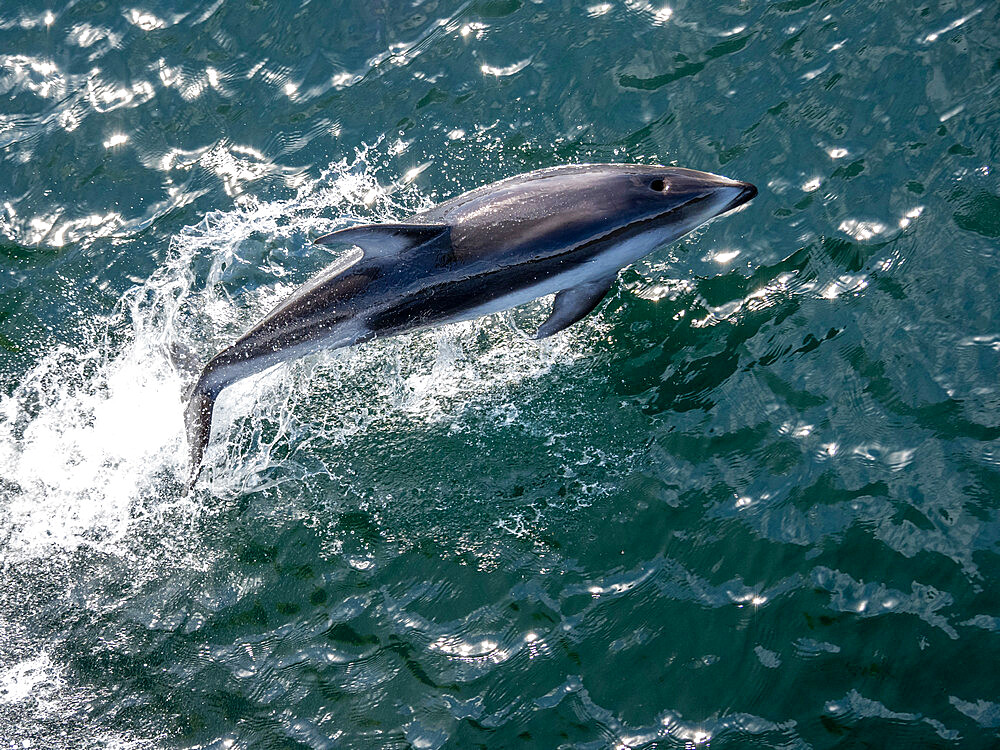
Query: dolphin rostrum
pixel 566 231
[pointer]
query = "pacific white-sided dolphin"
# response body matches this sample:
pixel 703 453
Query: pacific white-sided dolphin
pixel 566 231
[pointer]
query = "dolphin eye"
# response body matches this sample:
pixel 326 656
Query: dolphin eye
pixel 657 185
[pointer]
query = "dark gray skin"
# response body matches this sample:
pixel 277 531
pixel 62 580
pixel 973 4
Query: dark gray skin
pixel 566 230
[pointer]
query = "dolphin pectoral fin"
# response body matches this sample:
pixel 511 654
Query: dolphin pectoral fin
pixel 571 305
pixel 382 240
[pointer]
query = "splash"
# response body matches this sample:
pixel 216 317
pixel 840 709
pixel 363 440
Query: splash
pixel 92 439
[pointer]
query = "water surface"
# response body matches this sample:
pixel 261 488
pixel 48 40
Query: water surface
pixel 751 502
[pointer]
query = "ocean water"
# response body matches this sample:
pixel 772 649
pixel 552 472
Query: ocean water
pixel 752 501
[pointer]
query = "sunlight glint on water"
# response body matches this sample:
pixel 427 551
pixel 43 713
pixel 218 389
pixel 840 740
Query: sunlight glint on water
pixel 749 502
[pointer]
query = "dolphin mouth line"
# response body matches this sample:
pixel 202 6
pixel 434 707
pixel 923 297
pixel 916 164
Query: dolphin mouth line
pixel 686 204
pixel 747 194
pixel 665 215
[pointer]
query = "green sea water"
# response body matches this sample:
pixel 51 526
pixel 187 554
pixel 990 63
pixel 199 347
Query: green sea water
pixel 752 501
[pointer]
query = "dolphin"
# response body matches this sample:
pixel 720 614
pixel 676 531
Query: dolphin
pixel 565 230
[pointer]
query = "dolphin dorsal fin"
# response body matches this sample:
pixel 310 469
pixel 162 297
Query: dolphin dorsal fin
pixel 381 240
pixel 572 304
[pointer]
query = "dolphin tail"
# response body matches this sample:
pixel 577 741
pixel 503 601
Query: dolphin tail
pixel 198 418
pixel 184 360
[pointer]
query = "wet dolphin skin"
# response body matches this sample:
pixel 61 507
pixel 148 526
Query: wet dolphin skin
pixel 566 231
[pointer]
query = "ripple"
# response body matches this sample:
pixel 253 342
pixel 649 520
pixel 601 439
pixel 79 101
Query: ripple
pixel 874 599
pixel 506 70
pixel 985 713
pixel 768 460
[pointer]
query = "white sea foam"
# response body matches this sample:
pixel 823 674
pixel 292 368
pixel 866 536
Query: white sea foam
pixel 92 438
